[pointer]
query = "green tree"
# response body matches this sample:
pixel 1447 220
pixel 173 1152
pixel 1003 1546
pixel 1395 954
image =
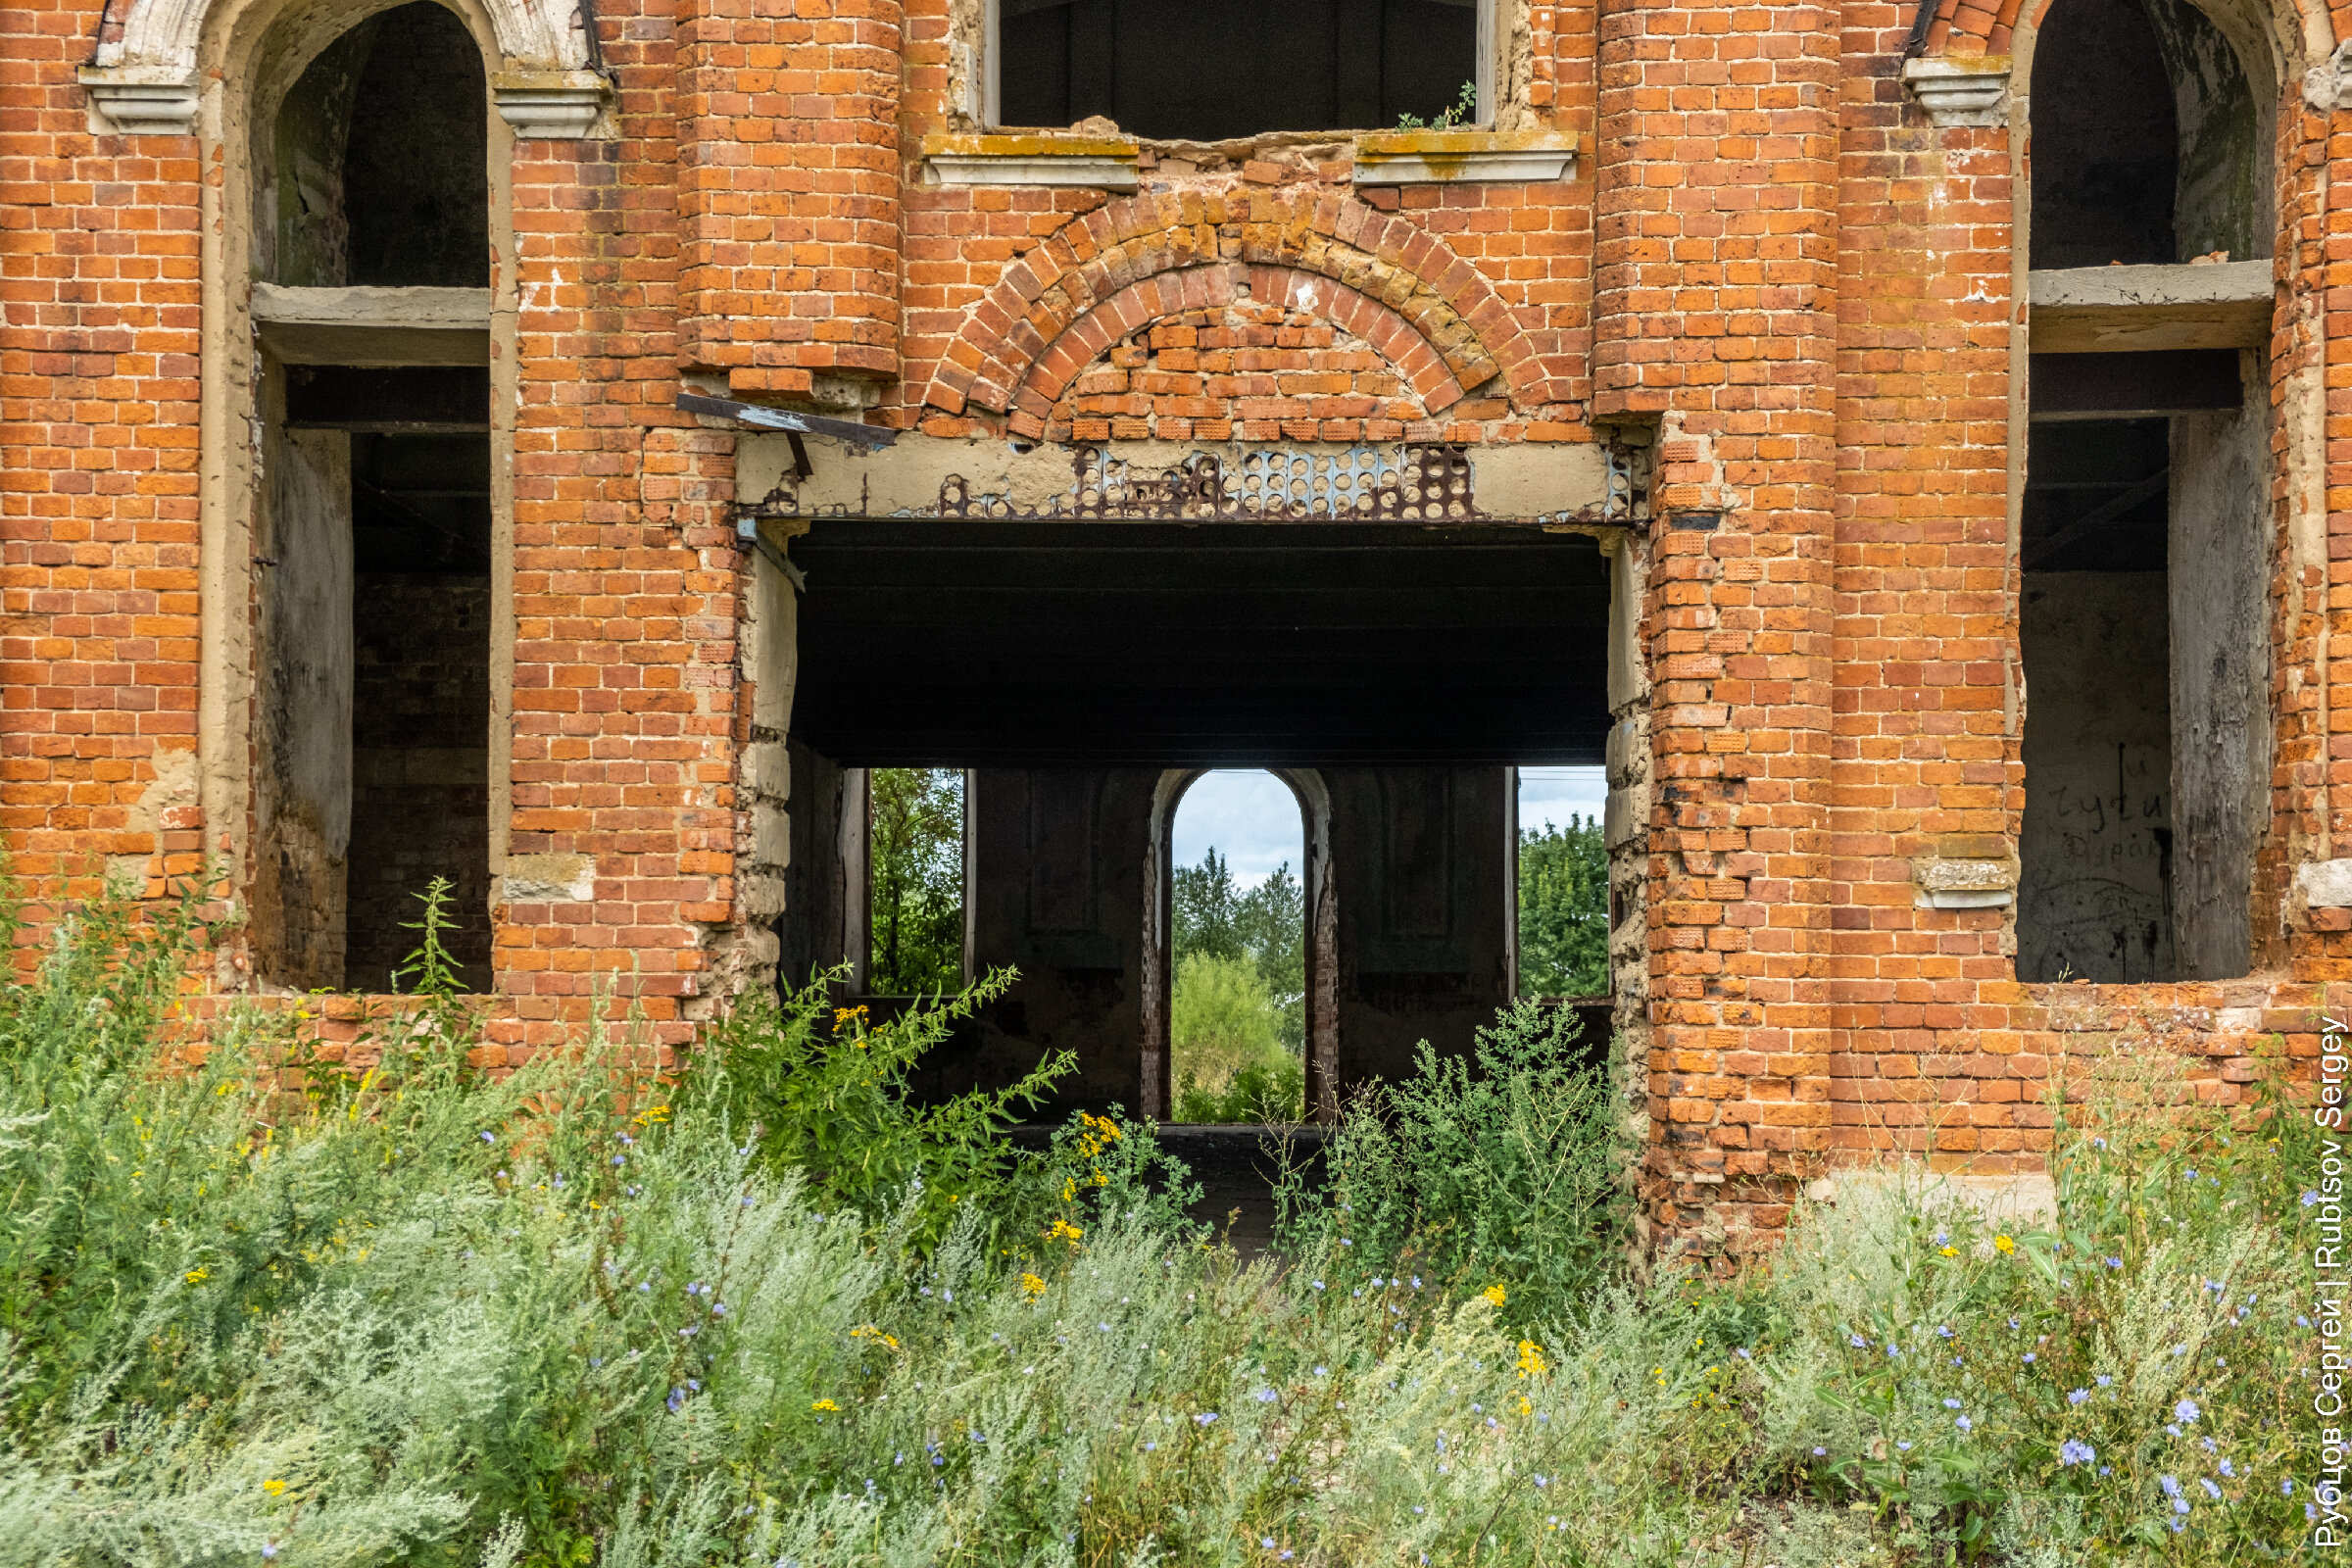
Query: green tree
pixel 1563 910
pixel 1207 908
pixel 917 848
pixel 1273 925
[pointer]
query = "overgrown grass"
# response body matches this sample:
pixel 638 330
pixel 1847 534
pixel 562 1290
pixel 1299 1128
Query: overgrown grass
pixel 764 1311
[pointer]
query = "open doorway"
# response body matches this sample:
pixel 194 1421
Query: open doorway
pixel 915 864
pixel 1237 1014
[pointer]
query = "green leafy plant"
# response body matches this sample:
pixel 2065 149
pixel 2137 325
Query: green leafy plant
pixel 1461 112
pixel 1499 1166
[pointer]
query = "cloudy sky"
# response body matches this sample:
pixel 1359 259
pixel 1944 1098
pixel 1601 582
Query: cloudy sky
pixel 1253 821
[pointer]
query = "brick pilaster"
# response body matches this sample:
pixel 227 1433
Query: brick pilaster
pixel 1716 315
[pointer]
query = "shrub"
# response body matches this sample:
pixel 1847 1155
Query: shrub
pixel 396 1310
pixel 1501 1166
pixel 1230 1064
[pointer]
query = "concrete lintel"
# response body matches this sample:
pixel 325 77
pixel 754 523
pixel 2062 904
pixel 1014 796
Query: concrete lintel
pixel 2083 310
pixel 1462 157
pixel 1095 163
pixel 1563 485
pixel 373 328
pixel 554 105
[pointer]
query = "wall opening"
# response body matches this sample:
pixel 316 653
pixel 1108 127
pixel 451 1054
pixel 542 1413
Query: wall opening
pixel 372 524
pixel 1220 69
pixel 1562 906
pixel 915 874
pixel 2146 526
pixel 1237 962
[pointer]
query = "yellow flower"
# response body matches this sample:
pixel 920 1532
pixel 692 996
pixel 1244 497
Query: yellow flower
pixel 1524 1404
pixel 1493 1294
pixel 197 1276
pixel 1032 1287
pixel 1949 1252
pixel 1069 1191
pixel 825 1404
pixel 2002 1244
pixel 1064 1231
pixel 870 1332
pixel 273 1488
pixel 1531 1359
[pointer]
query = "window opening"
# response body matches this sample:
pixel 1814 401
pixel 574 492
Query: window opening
pixel 1238 1005
pixel 916 862
pixel 2146 516
pixel 1218 69
pixel 1563 884
pixel 373 528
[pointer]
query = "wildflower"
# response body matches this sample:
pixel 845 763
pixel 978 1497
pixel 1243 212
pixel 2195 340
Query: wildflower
pixel 2104 1381
pixel 1032 1287
pixel 1064 1231
pixel 1531 1359
pixel 1493 1294
pixel 2115 1262
pixel 825 1404
pixel 1905 1447
pixel 197 1276
pixel 1318 1285
pixel 2228 1471
pixel 2003 1244
pixel 1951 1251
pixel 1858 1343
pixel 1944 1329
pixel 1951 1404
pixel 676 1401
pixel 1265 1396
pixel 268 1549
pixel 489 1137
pixel 2074 1451
pixel 2029 1357
pixel 2211 1490
pixel 1963 1423
pixel 276 1488
pixel 2286 1489
pixel 2187 1410
pixel 1821 1454
pixel 2171 1488
pixel 2310 1198
pixel 1205 1417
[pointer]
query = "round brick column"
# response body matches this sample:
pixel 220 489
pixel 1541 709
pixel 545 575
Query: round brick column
pixel 788 154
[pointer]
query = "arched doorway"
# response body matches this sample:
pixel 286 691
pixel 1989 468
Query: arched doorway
pixel 1238 985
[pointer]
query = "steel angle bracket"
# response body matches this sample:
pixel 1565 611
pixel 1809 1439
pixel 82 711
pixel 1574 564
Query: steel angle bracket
pixel 767 418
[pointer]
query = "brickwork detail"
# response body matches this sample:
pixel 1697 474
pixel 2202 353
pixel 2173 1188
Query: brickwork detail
pixel 1079 273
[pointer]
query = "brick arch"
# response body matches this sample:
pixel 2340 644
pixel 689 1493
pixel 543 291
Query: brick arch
pixel 1967 27
pixel 1455 312
pixel 1089 338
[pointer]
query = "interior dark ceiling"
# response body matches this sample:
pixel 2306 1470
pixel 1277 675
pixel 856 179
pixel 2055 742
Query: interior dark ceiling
pixel 959 643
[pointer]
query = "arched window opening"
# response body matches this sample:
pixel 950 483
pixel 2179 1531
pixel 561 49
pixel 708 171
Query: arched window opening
pixel 2145 523
pixel 382 162
pixel 1236 1015
pixel 373 524
pixel 915 864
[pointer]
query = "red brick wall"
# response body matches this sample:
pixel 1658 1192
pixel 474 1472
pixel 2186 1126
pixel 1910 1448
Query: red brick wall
pixel 98 489
pixel 1765 251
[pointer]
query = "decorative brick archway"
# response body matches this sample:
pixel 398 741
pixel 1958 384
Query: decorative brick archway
pixel 1088 280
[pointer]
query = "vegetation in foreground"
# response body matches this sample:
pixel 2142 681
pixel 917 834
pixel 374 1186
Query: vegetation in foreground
pixel 263 1306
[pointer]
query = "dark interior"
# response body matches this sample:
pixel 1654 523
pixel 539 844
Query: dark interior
pixel 2105 148
pixel 957 644
pixel 420 699
pixel 2095 495
pixel 1214 69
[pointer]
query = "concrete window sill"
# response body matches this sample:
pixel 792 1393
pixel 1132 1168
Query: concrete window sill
pixel 1093 163
pixel 375 326
pixel 1463 157
pixel 2090 309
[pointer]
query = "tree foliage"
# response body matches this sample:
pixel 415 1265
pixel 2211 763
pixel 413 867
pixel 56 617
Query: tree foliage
pixel 1563 910
pixel 917 849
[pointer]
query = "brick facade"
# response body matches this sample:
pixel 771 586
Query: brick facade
pixel 1767 275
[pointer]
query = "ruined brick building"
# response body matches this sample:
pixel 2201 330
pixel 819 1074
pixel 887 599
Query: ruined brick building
pixel 560 445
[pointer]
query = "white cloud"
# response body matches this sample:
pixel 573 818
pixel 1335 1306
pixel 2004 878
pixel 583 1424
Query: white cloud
pixel 1555 794
pixel 1251 818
